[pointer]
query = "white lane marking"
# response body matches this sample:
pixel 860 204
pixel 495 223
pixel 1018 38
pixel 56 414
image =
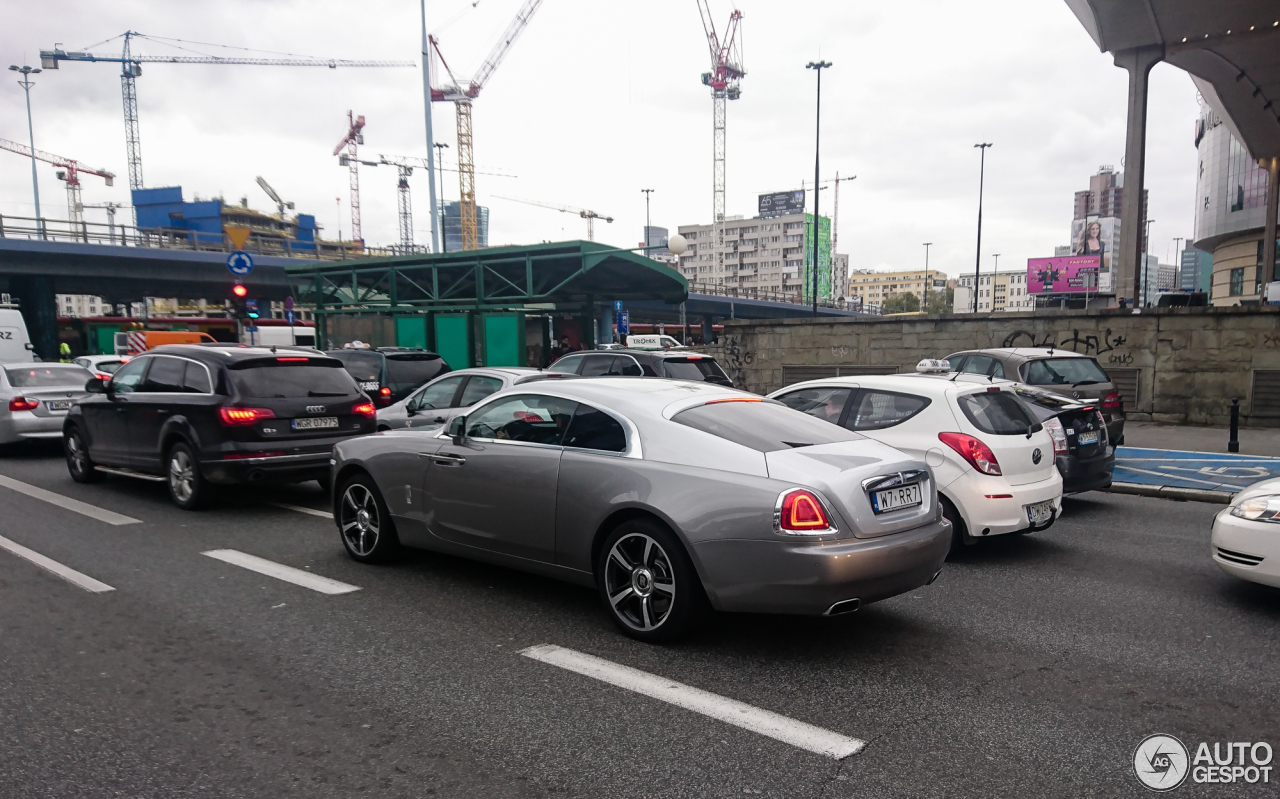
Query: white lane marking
pixel 70 575
pixel 83 508
pixel 323 514
pixel 281 572
pixel 764 722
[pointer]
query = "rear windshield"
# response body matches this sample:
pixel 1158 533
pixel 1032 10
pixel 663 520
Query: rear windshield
pixel 412 369
pixel 996 412
pixel 108 367
pixel 762 426
pixel 1043 403
pixel 1065 371
pixel 274 380
pixel 48 376
pixel 363 366
pixel 694 369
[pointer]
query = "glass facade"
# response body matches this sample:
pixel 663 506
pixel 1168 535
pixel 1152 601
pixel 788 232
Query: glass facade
pixel 453 226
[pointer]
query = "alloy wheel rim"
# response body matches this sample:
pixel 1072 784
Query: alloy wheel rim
pixel 77 453
pixel 359 519
pixel 640 582
pixel 181 476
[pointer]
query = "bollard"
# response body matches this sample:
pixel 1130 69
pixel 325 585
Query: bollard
pixel 1233 444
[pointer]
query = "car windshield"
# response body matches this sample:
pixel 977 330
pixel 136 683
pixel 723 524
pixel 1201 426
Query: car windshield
pixel 763 426
pixel 48 376
pixel 1043 404
pixel 702 369
pixel 412 370
pixel 1065 371
pixel 996 412
pixel 363 366
pixel 274 380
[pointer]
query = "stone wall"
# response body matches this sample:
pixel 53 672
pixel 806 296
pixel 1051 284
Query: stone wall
pixel 1176 365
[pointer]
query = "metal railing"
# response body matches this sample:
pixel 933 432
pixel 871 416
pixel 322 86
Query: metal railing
pixel 771 295
pixel 42 229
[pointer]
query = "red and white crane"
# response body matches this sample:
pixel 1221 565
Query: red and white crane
pixel 461 94
pixel 724 78
pixel 355 136
pixel 73 168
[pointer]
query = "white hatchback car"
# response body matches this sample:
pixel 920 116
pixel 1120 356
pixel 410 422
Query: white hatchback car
pixel 992 460
pixel 1246 534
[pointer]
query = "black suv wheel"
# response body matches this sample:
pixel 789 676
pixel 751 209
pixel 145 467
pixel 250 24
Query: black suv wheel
pixel 79 464
pixel 187 487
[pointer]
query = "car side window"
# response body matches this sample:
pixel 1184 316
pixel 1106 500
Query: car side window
pixel 164 376
pixel 81 362
pixel 956 361
pixel 478 387
pixel 594 429
pixel 876 410
pixel 531 418
pixel 983 365
pixel 825 403
pixel 438 395
pixel 627 366
pixel 598 365
pixel 125 381
pixel 568 365
pixel 196 379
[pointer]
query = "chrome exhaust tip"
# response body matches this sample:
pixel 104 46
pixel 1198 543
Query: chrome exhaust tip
pixel 844 606
pixel 934 577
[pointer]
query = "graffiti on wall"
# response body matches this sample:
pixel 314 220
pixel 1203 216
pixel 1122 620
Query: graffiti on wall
pixel 1087 344
pixel 736 358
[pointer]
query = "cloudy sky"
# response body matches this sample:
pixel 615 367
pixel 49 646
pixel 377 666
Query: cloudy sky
pixel 599 100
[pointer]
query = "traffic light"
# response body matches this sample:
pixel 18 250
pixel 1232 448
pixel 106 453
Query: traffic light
pixel 238 292
pixel 251 308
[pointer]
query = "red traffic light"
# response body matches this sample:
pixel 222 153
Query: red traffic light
pixel 239 290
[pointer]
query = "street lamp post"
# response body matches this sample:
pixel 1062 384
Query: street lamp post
pixel 927 245
pixel 647 192
pixel 977 261
pixel 26 85
pixel 1144 279
pixel 444 246
pixel 816 66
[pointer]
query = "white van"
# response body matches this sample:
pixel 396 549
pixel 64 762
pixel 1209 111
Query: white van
pixel 280 336
pixel 15 344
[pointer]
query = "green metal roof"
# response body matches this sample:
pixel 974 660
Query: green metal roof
pixel 488 279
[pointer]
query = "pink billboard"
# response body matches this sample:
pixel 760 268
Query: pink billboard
pixel 1064 275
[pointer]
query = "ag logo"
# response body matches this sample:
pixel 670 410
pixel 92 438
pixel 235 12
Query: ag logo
pixel 1036 456
pixel 1160 762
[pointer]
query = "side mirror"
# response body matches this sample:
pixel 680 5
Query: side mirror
pixel 95 386
pixel 458 430
pixel 1035 428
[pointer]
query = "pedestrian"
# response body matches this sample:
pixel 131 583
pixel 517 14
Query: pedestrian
pixel 565 346
pixel 64 352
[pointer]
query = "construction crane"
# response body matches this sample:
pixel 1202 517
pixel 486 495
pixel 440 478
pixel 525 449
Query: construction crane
pixel 723 79
pixel 70 174
pixel 131 67
pixel 280 204
pixel 355 136
pixel 590 216
pixel 461 94
pixel 110 208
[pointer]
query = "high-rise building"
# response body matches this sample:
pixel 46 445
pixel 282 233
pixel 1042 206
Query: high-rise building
pixel 839 275
pixel 1095 224
pixel 763 257
pixel 453 226
pixel 1196 270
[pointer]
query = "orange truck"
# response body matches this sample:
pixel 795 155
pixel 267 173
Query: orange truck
pixel 136 342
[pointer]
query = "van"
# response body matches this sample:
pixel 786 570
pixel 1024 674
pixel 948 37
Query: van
pixel 280 336
pixel 136 342
pixel 15 344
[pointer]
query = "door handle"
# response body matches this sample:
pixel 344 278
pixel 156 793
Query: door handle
pixel 438 419
pixel 443 460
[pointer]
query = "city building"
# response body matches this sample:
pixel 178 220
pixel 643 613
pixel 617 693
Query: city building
pixel 873 288
pixel 81 305
pixel 1003 291
pixel 761 257
pixel 1231 204
pixel 453 226
pixel 1095 224
pixel 1195 273
pixel 163 211
pixel 839 275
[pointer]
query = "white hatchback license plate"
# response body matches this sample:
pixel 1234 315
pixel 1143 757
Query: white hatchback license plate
pixel 318 423
pixel 896 498
pixel 58 405
pixel 1090 437
pixel 1040 512
pixel 368 386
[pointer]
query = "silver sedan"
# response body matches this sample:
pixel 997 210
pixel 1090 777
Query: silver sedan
pixel 35 398
pixel 670 497
pixel 434 404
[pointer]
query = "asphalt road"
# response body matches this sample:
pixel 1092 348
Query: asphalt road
pixel 1033 667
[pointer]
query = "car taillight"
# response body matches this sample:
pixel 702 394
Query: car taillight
pixel 801 511
pixel 23 404
pixel 385 391
pixel 1111 401
pixel 236 417
pixel 1058 434
pixel 103 377
pixel 364 409
pixel 978 455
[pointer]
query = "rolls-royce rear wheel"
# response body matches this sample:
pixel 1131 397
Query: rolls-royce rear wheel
pixel 647 582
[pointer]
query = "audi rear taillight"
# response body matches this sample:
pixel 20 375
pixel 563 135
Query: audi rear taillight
pixel 1058 434
pixel 364 409
pixel 801 511
pixel 1111 402
pixel 23 404
pixel 978 454
pixel 239 417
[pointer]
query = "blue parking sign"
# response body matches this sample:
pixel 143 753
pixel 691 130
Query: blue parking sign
pixel 624 323
pixel 239 263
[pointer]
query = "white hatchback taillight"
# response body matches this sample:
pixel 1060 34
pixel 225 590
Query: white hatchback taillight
pixel 1058 434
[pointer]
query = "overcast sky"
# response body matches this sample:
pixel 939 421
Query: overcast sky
pixel 599 100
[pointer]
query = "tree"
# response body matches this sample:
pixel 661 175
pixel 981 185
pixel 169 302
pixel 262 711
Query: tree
pixel 901 303
pixel 941 301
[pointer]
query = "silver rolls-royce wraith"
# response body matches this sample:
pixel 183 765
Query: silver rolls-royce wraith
pixel 669 497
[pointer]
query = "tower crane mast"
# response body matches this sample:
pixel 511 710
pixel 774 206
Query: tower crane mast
pixel 355 136
pixel 723 79
pixel 75 209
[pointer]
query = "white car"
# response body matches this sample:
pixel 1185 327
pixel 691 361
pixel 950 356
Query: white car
pixel 103 366
pixel 992 460
pixel 1246 535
